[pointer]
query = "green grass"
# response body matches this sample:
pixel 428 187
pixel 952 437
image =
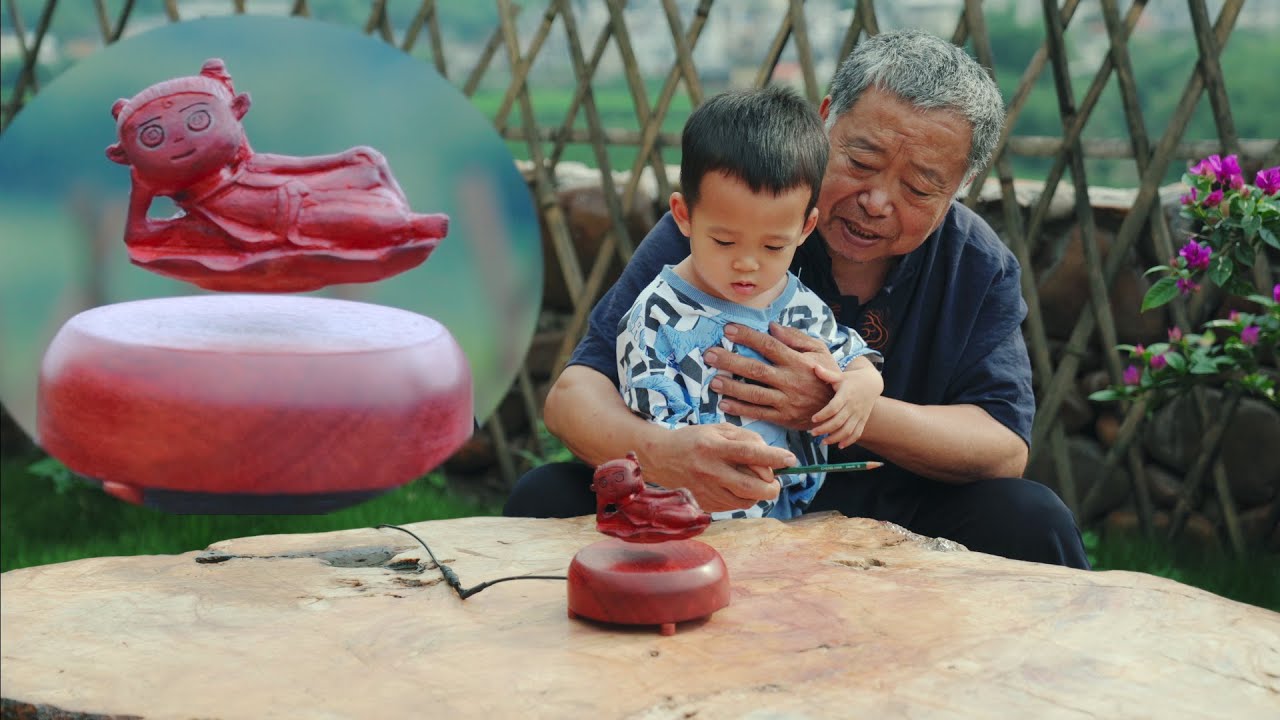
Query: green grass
pixel 1253 578
pixel 46 522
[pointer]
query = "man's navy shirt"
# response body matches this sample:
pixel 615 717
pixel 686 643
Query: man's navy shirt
pixel 948 319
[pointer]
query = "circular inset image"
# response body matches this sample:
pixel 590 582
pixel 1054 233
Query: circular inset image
pixel 258 155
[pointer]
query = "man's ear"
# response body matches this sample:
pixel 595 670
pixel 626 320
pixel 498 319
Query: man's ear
pixel 240 105
pixel 680 212
pixel 809 224
pixel 116 154
pixel 825 108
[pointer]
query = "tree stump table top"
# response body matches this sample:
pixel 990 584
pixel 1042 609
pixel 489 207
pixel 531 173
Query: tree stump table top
pixel 829 617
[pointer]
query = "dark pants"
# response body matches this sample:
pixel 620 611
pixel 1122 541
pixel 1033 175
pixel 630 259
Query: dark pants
pixel 1010 517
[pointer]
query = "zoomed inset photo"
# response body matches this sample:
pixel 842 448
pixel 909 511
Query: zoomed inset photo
pixel 258 265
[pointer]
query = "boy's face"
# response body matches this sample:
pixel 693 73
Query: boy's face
pixel 741 243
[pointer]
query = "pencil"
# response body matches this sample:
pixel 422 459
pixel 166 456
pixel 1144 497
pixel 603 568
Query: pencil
pixel 837 467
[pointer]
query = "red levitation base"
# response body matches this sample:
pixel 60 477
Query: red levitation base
pixel 647 584
pixel 252 403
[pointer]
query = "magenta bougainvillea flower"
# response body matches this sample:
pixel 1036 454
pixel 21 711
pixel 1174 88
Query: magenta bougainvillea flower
pixel 1186 287
pixel 1196 255
pixel 1225 170
pixel 1190 198
pixel 1268 181
pixel 1275 293
pixel 1212 199
pixel 1175 332
pixel 1249 335
pixel 1132 375
pixel 1158 361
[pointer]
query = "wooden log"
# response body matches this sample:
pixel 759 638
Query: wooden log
pixel 829 617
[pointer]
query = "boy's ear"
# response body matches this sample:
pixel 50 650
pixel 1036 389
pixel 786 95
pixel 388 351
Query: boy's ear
pixel 825 108
pixel 680 212
pixel 809 224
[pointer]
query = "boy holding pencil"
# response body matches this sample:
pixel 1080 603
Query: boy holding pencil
pixel 750 172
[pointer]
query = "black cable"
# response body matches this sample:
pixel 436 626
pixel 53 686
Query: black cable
pixel 451 577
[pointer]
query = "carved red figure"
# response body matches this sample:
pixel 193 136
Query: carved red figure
pixel 254 221
pixel 628 509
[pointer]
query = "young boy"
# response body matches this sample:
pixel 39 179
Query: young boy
pixel 751 167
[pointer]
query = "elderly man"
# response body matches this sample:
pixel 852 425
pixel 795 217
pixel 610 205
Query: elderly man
pixel 911 119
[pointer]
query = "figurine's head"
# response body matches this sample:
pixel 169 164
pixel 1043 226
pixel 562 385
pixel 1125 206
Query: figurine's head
pixel 179 131
pixel 617 479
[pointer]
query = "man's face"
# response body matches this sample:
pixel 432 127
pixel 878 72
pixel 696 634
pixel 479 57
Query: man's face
pixel 180 138
pixel 742 242
pixel 892 172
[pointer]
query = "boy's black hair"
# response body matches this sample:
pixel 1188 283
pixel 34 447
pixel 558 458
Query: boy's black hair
pixel 771 139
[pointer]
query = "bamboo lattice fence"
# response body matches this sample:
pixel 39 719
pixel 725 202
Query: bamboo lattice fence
pixel 513 48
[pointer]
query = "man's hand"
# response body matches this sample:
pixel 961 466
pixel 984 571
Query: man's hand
pixel 857 389
pixel 725 466
pixel 791 393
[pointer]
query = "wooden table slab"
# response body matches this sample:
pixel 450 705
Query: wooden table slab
pixel 830 617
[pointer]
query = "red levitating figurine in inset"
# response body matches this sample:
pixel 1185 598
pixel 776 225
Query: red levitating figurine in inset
pixel 650 572
pixel 252 403
pixel 253 221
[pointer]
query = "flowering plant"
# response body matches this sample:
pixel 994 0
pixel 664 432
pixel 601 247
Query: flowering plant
pixel 1236 222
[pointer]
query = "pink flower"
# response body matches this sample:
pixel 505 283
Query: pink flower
pixel 1224 170
pixel 1268 181
pixel 1249 335
pixel 1190 198
pixel 1231 175
pixel 1197 255
pixel 1275 293
pixel 1234 316
pixel 1132 375
pixel 1158 362
pixel 1213 199
pixel 1175 332
pixel 1186 287
pixel 1209 166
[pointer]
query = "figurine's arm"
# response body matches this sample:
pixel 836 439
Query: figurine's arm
pixel 138 225
pixel 266 162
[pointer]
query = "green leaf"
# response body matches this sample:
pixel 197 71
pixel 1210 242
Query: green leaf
pixel 1157 268
pixel 1203 366
pixel 1243 254
pixel 1106 395
pixel 1251 224
pixel 1164 290
pixel 1220 269
pixel 1240 286
pixel 1269 237
pixel 1176 361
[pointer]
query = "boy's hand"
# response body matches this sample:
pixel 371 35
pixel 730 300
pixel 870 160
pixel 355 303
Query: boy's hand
pixel 856 390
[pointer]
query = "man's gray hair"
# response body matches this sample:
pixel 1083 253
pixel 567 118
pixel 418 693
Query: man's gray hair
pixel 930 73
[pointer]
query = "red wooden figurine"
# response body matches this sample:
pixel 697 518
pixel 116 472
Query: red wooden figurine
pixel 253 221
pixel 649 572
pixel 247 402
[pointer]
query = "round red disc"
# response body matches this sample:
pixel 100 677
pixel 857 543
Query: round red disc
pixel 253 394
pixel 647 584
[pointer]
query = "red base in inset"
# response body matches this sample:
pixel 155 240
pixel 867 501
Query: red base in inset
pixel 257 394
pixel 647 584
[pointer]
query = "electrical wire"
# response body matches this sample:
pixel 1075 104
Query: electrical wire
pixel 451 577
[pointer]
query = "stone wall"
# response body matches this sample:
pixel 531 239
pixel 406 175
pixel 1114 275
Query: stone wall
pixel 1170 437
